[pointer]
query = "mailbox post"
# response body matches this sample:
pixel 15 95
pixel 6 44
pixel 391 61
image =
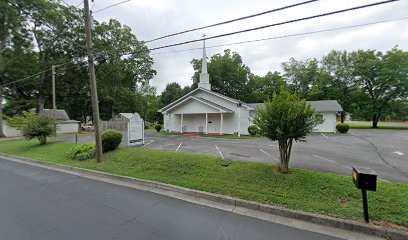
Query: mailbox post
pixel 366 180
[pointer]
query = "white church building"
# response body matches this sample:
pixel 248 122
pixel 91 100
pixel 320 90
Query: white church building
pixel 206 112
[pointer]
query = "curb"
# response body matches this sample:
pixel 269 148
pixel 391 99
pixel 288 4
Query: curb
pixel 280 211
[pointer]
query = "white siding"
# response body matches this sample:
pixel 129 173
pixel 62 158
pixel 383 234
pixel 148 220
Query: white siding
pixel 194 116
pixel 193 106
pixel 66 127
pixel 329 122
pixel 9 131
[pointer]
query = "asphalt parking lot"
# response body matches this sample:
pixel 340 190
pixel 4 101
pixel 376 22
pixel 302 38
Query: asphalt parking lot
pixel 385 151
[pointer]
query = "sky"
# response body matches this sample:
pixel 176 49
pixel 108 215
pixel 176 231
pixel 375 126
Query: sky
pixel 150 19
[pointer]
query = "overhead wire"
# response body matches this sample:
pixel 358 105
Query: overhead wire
pixel 278 24
pixel 286 36
pixel 110 6
pixel 233 20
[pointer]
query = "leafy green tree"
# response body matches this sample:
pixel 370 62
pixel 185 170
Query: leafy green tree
pixel 342 85
pixel 228 75
pixel 263 88
pixel 119 75
pixel 285 118
pixel 301 75
pixel 12 32
pixel 171 93
pixel 383 78
pixel 32 126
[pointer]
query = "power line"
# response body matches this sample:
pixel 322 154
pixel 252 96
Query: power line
pixel 286 36
pixel 35 75
pixel 233 20
pixel 277 24
pixel 22 79
pixel 110 6
pixel 79 4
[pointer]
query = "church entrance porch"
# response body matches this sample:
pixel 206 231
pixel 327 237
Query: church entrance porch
pixel 204 123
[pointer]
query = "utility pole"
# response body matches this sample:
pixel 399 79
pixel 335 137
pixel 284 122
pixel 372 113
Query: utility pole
pixel 94 90
pixel 54 104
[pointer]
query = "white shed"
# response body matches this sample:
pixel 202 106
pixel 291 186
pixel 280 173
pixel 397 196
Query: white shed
pixel 327 110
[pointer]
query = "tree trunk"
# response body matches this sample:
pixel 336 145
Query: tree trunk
pixel 1 109
pixel 40 101
pixel 342 116
pixel 376 117
pixel 285 148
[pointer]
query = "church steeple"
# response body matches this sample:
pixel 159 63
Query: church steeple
pixel 204 76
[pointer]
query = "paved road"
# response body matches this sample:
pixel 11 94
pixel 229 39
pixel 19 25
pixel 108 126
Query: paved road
pixel 385 151
pixel 41 204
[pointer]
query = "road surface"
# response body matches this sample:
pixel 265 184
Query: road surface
pixel 36 203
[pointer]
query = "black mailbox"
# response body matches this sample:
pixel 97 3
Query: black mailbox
pixel 364 178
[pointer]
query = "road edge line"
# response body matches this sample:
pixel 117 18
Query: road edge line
pixel 328 221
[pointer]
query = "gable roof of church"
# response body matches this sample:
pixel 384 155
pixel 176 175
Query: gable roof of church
pixel 164 109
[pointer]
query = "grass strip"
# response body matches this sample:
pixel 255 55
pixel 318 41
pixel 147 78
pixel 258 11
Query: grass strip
pixel 309 191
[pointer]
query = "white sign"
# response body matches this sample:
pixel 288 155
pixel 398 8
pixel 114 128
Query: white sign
pixel 135 130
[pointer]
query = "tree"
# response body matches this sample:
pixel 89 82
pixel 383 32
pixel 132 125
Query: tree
pixel 32 126
pixel 228 75
pixel 171 93
pixel 285 118
pixel 342 85
pixel 11 22
pixel 301 75
pixel 383 78
pixel 118 75
pixel 262 88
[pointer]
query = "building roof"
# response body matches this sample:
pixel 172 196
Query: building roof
pixel 319 106
pixel 326 106
pixel 60 114
pixel 164 109
pixel 127 115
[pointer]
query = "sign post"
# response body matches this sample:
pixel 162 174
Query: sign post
pixel 366 180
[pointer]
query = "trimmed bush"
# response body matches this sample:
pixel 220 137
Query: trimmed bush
pixel 342 127
pixel 32 126
pixel 253 130
pixel 111 140
pixel 158 127
pixel 82 152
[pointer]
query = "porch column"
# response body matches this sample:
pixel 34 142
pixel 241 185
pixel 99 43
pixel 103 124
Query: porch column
pixel 181 124
pixel 206 123
pixel 222 123
pixel 239 121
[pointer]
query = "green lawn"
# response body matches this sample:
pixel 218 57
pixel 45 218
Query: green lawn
pixel 310 191
pixel 381 125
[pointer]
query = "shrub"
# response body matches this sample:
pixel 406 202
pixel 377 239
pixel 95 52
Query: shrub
pixel 82 152
pixel 342 127
pixel 32 126
pixel 146 126
pixel 111 139
pixel 253 130
pixel 158 127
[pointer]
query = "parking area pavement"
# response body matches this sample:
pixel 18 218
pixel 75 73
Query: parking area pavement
pixel 385 151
